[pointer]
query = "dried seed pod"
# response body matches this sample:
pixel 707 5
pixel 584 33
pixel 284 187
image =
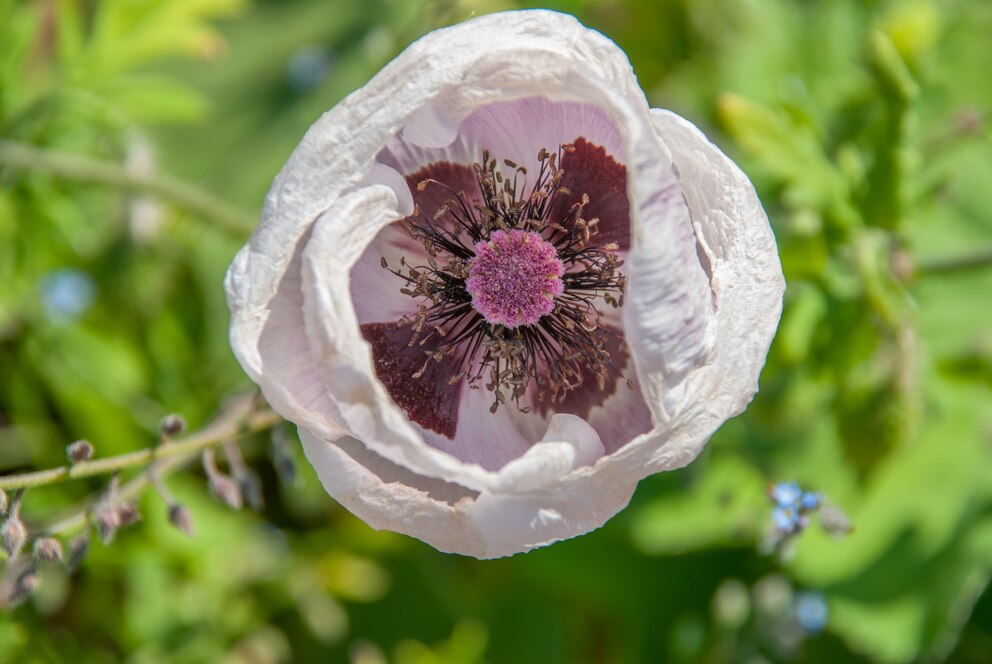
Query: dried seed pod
pixel 172 425
pixel 226 490
pixel 47 550
pixel 77 552
pixel 248 482
pixel 13 535
pixel 181 518
pixel 128 514
pixel 107 521
pixel 26 584
pixel 220 485
pixel 81 450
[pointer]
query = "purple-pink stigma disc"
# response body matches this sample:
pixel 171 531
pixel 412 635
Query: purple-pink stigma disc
pixel 514 278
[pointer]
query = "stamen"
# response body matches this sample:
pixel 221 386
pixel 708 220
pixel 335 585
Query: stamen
pixel 516 302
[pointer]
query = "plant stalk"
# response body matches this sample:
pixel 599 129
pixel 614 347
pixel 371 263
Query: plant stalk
pixel 86 169
pixel 224 428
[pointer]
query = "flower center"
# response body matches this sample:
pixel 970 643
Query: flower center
pixel 514 278
pixel 510 292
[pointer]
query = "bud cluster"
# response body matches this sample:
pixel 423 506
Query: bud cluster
pixel 112 510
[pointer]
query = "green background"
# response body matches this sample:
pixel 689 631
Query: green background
pixel 865 126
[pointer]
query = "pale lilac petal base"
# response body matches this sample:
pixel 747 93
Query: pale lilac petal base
pixel 515 129
pixel 375 290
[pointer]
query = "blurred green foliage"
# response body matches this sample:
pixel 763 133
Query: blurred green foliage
pixel 865 126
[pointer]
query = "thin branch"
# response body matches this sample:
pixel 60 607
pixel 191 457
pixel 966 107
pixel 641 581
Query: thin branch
pixel 86 169
pixel 181 454
pixel 226 427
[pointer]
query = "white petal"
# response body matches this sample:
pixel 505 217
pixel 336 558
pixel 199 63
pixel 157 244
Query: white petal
pixel 382 174
pixel 746 279
pixel 483 438
pixel 622 416
pixel 427 128
pixel 274 350
pixel 456 520
pixel 668 312
pixel 387 496
pixel 569 443
pixel 747 285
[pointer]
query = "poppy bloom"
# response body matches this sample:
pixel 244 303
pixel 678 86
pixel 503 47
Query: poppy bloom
pixel 494 289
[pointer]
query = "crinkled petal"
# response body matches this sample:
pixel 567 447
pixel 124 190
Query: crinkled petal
pixel 733 233
pixel 668 314
pixel 457 520
pixel 568 443
pixel 275 352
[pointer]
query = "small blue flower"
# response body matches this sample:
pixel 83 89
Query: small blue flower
pixel 810 501
pixel 793 511
pixel 811 611
pixel 786 519
pixel 307 68
pixel 66 294
pixel 786 494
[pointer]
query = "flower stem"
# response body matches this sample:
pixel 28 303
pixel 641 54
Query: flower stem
pixel 955 264
pixel 86 169
pixel 229 425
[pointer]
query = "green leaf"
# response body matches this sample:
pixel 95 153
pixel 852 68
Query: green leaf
pixel 154 98
pixel 790 152
pixel 917 549
pixel 725 504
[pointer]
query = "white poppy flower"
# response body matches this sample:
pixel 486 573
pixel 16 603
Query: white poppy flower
pixel 494 289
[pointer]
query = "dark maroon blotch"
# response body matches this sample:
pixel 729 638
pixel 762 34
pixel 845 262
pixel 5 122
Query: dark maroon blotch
pixel 589 170
pixel 587 396
pixel 458 178
pixel 428 400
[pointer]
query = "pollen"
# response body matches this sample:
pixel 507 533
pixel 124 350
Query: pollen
pixel 514 278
